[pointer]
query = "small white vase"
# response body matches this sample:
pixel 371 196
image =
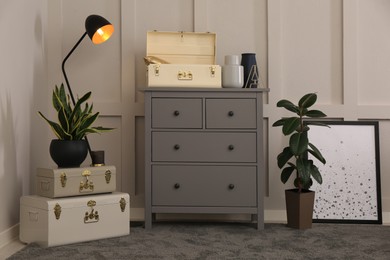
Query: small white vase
pixel 232 72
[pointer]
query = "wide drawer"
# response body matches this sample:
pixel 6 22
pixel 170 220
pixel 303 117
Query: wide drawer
pixel 177 113
pixel 203 147
pixel 197 185
pixel 231 113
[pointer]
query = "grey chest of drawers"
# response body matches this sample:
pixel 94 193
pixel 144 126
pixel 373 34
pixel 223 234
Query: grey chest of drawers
pixel 204 152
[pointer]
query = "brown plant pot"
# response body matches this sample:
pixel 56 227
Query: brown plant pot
pixel 299 207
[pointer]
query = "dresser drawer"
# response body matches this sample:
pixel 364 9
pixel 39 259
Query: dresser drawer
pixel 177 113
pixel 204 185
pixel 231 113
pixel 203 147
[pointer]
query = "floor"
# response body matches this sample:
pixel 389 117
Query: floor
pixel 16 245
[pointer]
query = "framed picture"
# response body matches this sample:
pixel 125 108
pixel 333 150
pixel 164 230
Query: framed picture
pixel 350 192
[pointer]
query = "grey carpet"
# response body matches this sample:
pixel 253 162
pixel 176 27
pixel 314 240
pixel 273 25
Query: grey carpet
pixel 228 241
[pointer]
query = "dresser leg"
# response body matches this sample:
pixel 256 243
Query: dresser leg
pixel 148 221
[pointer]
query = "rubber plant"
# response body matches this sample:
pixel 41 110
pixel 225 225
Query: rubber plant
pixel 294 157
pixel 74 122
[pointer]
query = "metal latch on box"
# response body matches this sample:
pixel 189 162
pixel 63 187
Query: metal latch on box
pixel 212 71
pixel 156 70
pixel 86 185
pixel 184 75
pixel 107 175
pixel 92 216
pixel 122 204
pixel 63 179
pixel 57 211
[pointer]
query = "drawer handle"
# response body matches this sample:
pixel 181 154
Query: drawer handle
pixel 177 185
pixel 176 112
pixel 231 186
pixel 231 113
pixel 231 147
pixel 176 147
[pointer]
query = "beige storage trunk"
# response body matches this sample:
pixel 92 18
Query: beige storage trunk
pixel 65 182
pixel 182 59
pixel 52 222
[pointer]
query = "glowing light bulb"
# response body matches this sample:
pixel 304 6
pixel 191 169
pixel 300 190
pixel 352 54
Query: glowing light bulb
pixel 100 31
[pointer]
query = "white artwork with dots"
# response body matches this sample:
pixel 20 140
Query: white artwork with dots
pixel 349 189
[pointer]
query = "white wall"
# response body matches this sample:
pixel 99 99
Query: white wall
pixel 23 71
pixel 337 48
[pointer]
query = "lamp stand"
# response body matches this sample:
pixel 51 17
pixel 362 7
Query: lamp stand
pixel 63 67
pixel 70 90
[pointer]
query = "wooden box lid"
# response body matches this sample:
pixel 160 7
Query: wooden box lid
pixel 182 47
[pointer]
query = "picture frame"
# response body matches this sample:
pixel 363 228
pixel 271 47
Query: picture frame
pixel 350 192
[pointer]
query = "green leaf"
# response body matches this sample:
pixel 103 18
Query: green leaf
pixel 77 109
pixel 315 113
pixel 299 143
pixel 288 105
pixel 280 122
pixel 290 125
pixel 284 157
pixel 316 153
pixel 74 121
pixel 286 173
pixel 85 124
pixel 57 130
pixel 307 184
pixel 316 174
pixel 102 129
pixel 62 118
pixel 303 168
pixel 307 100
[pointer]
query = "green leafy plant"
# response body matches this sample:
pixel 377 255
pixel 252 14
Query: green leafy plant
pixel 74 123
pixel 294 157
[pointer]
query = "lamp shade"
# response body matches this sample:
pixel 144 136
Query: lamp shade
pixel 98 28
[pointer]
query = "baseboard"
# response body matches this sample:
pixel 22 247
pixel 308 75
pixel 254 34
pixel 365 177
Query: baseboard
pixel 137 214
pixel 270 216
pixel 275 216
pixel 386 218
pixel 9 235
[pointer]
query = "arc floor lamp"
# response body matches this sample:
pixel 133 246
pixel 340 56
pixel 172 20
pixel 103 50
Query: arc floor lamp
pixel 99 30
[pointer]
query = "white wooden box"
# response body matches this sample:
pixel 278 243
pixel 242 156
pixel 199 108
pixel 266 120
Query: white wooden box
pixel 52 222
pixel 182 59
pixel 64 182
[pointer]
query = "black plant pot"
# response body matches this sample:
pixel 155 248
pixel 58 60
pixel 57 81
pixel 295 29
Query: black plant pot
pixel 67 153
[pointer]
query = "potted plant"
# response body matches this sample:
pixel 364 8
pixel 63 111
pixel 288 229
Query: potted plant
pixel 294 158
pixel 74 123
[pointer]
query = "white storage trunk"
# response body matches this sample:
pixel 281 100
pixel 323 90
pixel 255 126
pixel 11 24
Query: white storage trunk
pixel 53 222
pixel 64 182
pixel 185 59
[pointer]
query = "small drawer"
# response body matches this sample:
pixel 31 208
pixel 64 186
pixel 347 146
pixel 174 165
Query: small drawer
pixel 231 113
pixel 177 113
pixel 203 147
pixel 196 185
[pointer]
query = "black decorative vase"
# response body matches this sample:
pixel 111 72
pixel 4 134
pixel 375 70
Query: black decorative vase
pixel 251 73
pixel 68 153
